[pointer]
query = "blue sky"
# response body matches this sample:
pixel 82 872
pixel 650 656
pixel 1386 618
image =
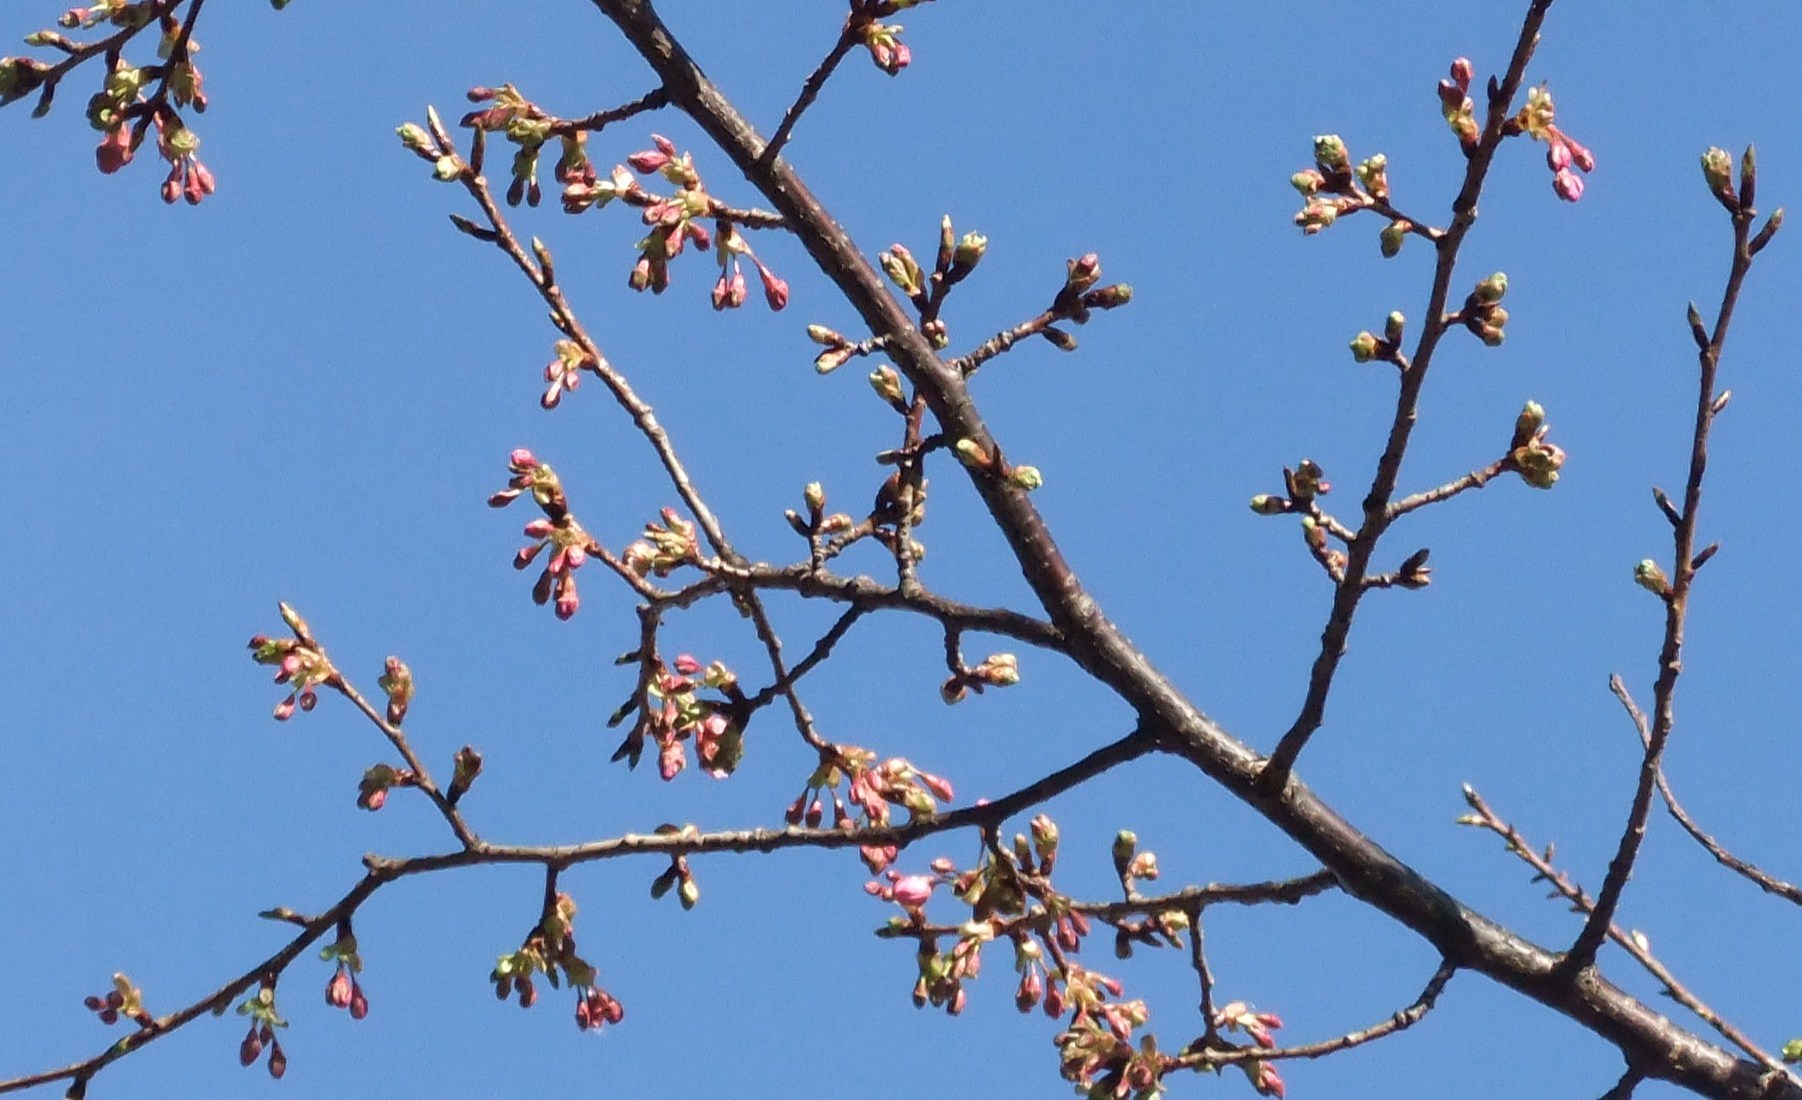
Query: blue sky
pixel 304 390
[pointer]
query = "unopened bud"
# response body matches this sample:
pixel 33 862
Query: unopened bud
pixel 1331 155
pixel 1717 169
pixel 1364 347
pixel 815 495
pixel 1026 477
pixel 886 381
pixel 1266 505
pixel 1392 327
pixel 1650 577
pixel 1491 290
pixel 820 334
pixel 1391 238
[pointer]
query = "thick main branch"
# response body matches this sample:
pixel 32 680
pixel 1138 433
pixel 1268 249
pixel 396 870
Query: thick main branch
pixel 1365 869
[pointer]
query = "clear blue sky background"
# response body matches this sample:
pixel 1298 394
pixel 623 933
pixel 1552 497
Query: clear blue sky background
pixel 306 388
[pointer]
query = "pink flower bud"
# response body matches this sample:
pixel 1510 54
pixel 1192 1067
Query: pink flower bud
pixel 359 1004
pixel 1557 155
pixel 522 459
pixel 337 991
pixel 251 1048
pixel 539 529
pixel 775 291
pixel 913 891
pixel 1461 73
pixel 686 664
pixel 1568 184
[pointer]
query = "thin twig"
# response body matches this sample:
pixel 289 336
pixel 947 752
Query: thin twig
pixel 1635 945
pixel 1476 479
pixel 1350 587
pixel 1207 1059
pixel 382 871
pixel 810 91
pixel 1676 603
pixel 1769 883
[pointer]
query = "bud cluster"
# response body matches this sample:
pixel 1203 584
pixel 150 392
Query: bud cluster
pixel 1537 461
pixel 1455 103
pixel 551 950
pixel 1334 187
pixel 343 990
pixel 997 670
pixel 123 1001
pixel 882 40
pixel 874 790
pixel 1483 314
pixel 1535 119
pixel 674 714
pixel 557 531
pixel 299 662
pixel 955 260
pixel 264 1019
pixel 665 547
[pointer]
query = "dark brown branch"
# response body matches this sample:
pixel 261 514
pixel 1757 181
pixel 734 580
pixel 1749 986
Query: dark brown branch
pixel 1676 607
pixel 382 871
pixel 1350 588
pixel 1367 871
pixel 652 100
pixel 1624 1088
pixel 810 91
pixel 1635 945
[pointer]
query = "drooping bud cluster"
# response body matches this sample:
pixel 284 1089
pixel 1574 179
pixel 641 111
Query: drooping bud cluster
pixel 264 1019
pixel 730 291
pixel 1097 1052
pixel 883 41
pixel 1562 153
pixel 678 876
pixel 131 100
pixel 343 990
pixel 123 1001
pixel 300 663
pixel 1239 1016
pixel 551 950
pixel 675 715
pixel 557 531
pixel 564 372
pixel 1537 461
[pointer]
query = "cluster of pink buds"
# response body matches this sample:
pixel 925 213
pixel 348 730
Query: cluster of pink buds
pixel 883 40
pixel 188 178
pixel 910 892
pixel 595 1007
pixel 523 124
pixel 557 531
pixel 1562 152
pixel 1097 1052
pixel 1455 103
pixel 672 220
pixel 260 1007
pixel 123 1001
pixel 677 715
pixel 372 790
pixel 564 373
pixel 551 950
pixel 343 990
pixel 300 663
pixel 731 290
pixel 1536 461
pixel 664 548
pixel 874 788
pixel 1239 1016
